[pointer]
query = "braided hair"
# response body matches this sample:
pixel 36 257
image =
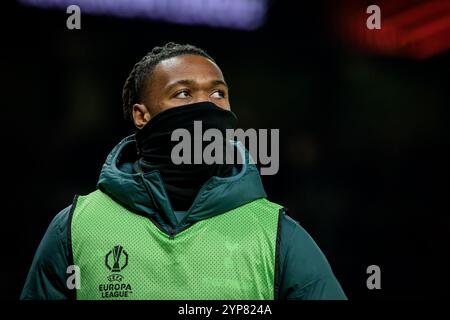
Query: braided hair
pixel 141 73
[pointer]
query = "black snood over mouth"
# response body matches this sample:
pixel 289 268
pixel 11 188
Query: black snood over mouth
pixel 154 145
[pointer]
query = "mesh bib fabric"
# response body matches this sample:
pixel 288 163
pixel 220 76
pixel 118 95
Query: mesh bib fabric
pixel 122 255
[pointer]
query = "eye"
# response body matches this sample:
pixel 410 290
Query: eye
pixel 182 94
pixel 218 94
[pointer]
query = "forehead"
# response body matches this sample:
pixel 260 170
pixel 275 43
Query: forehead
pixel 186 66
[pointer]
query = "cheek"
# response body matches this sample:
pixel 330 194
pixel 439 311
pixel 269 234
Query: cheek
pixel 223 103
pixel 169 104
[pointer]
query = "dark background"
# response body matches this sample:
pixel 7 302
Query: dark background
pixel 363 138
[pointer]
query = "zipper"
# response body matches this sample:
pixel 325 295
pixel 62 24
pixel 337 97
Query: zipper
pixel 171 233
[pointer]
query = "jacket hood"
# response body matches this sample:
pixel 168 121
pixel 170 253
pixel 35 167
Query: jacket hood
pixel 145 194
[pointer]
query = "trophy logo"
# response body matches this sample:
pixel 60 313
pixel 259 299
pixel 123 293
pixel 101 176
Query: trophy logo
pixel 116 259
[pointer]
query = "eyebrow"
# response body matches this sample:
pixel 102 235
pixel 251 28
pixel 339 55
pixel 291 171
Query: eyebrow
pixel 190 82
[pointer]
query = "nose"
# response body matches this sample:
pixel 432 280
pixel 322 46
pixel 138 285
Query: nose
pixel 206 97
pixel 202 97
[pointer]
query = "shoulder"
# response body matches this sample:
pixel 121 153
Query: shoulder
pixel 305 272
pixel 57 234
pixel 46 278
pixel 298 247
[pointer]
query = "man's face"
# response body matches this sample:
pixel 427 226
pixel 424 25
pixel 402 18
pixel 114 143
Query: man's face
pixel 182 80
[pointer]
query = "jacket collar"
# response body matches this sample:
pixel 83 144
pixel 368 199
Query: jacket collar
pixel 144 193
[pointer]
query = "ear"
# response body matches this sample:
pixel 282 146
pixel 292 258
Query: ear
pixel 141 115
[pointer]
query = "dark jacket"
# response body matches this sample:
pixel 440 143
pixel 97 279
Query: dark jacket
pixel 302 271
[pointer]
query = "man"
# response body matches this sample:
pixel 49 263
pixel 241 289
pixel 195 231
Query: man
pixel 157 230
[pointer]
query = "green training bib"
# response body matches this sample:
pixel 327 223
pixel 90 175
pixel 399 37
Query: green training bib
pixel 122 255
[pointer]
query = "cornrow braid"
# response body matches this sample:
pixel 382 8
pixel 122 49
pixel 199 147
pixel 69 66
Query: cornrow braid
pixel 139 76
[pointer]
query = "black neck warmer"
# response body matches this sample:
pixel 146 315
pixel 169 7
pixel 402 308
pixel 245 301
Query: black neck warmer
pixel 154 145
